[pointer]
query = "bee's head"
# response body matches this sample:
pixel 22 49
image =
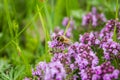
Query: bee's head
pixel 60 38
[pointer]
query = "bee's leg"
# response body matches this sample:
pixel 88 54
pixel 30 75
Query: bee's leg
pixel 52 50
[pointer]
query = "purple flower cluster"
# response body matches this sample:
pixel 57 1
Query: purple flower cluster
pixel 83 55
pixel 57 45
pixel 93 18
pixel 104 39
pixel 108 30
pixel 59 31
pixel 110 48
pixel 87 74
pixel 83 59
pixel 90 38
pixel 66 20
pixel 79 57
pixel 49 71
pixel 105 72
pixel 86 59
pixel 60 57
pixel 65 60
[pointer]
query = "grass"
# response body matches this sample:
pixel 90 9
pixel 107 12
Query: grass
pixel 21 43
pixel 116 17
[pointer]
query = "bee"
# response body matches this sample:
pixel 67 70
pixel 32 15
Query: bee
pixel 64 40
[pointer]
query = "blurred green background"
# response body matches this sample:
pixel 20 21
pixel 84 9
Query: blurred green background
pixel 25 27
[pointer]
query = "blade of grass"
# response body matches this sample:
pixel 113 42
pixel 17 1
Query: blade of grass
pixel 4 76
pixel 47 38
pixel 88 6
pixel 117 9
pixel 67 28
pixel 48 17
pixel 11 73
pixel 23 58
pixel 114 34
pixel 38 35
pixel 67 8
pixel 26 26
pixel 71 5
pixel 52 13
pixel 115 31
pixel 59 10
pixel 8 17
pixel 116 16
pixel 19 70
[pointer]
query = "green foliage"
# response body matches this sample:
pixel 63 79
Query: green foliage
pixel 8 72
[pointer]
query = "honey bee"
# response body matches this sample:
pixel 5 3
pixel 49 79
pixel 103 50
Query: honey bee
pixel 64 40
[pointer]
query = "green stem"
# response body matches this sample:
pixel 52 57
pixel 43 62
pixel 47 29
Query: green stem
pixel 115 29
pixel 67 8
pixel 117 8
pixel 88 6
pixel 8 17
pixel 116 62
pixel 47 38
pixel 49 19
pixel 67 28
